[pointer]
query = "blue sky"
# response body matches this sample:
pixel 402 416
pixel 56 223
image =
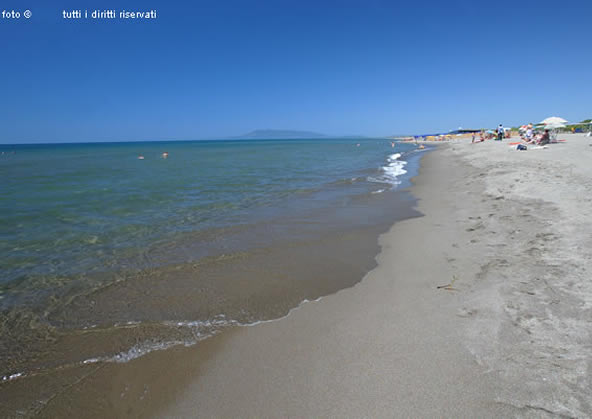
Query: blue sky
pixel 208 69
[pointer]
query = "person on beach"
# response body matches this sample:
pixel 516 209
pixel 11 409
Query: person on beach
pixel 500 132
pixel 529 133
pixel 546 138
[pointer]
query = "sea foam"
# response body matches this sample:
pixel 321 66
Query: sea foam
pixel 392 170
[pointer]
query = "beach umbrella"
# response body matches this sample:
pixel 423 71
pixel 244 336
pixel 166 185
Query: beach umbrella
pixel 554 126
pixel 553 120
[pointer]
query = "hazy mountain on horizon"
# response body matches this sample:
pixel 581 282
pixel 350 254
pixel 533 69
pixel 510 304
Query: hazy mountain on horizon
pixel 280 134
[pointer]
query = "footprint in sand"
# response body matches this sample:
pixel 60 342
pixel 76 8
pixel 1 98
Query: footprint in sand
pixel 478 226
pixel 466 312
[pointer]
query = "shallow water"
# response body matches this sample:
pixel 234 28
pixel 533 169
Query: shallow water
pixel 113 256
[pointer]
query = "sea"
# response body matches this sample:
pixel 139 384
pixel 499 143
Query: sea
pixel 111 250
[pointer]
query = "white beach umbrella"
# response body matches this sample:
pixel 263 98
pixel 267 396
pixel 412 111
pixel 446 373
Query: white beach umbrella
pixel 554 126
pixel 553 120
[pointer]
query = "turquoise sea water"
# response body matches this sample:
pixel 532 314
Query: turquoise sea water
pixel 70 208
pixel 219 232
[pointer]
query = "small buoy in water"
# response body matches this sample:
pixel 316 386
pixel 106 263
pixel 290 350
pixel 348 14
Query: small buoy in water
pixel 357 145
pixel 165 155
pixel 140 157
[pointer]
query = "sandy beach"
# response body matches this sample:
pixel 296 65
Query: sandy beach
pixel 292 209
pixel 507 231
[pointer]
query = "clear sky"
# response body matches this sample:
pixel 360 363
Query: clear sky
pixel 220 68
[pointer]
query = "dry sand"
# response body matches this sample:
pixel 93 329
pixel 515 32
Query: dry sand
pixel 511 230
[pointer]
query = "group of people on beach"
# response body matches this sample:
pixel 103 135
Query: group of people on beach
pixel 529 137
pixel 499 134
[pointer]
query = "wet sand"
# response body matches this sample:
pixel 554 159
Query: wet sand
pixel 507 231
pixel 187 302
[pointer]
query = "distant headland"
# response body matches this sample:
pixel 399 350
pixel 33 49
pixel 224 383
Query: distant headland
pixel 280 134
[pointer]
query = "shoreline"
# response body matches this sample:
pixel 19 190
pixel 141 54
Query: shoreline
pixel 507 342
pixel 364 351
pixel 509 337
pixel 242 271
pixel 263 370
pixel 261 285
